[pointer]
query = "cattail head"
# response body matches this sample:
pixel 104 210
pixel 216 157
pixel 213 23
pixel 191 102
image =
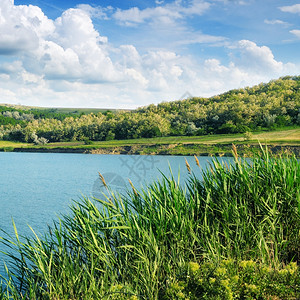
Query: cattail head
pixel 188 166
pixel 133 188
pixel 226 165
pixel 102 179
pixel 234 151
pixel 197 161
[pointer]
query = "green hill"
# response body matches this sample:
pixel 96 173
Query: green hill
pixel 267 106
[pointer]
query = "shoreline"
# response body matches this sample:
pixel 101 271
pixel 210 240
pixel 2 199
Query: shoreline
pixel 180 149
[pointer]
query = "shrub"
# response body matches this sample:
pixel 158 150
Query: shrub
pixel 231 279
pixel 248 136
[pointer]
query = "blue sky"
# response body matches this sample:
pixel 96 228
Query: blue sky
pixel 127 54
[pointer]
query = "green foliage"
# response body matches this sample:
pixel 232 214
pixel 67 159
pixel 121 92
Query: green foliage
pixel 231 279
pixel 248 136
pixel 265 106
pixel 88 142
pixel 217 236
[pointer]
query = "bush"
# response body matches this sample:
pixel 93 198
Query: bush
pixel 231 279
pixel 88 142
pixel 248 136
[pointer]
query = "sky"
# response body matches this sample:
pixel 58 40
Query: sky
pixel 128 54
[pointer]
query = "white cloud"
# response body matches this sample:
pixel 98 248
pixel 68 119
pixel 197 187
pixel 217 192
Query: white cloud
pixel 257 59
pixel 67 62
pixel 68 48
pixel 11 68
pixel 165 14
pixel 75 34
pixel 130 57
pixel 239 2
pixel 96 12
pixel 168 25
pixel 137 77
pixel 59 63
pixel 199 38
pixel 275 22
pixel 296 32
pixel 295 9
pixel 21 27
pixel 74 28
pixel 8 96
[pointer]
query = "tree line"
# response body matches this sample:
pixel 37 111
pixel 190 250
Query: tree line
pixel 262 107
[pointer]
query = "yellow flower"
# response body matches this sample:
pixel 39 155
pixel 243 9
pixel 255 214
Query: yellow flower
pixel 212 280
pixel 227 262
pixel 225 283
pixel 266 270
pixel 283 272
pixel 116 287
pixel 176 286
pixel 180 295
pixel 247 264
pixel 252 288
pixel 193 267
pixel 220 271
pixel 292 267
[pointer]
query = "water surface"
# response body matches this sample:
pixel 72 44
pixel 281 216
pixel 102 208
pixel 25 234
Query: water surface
pixel 36 187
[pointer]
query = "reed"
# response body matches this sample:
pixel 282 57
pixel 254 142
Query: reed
pixel 130 246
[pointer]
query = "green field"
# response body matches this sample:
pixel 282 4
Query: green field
pixel 82 110
pixel 64 110
pixel 218 144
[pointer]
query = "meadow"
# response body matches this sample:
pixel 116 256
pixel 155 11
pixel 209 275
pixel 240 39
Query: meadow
pixel 232 231
pixel 287 139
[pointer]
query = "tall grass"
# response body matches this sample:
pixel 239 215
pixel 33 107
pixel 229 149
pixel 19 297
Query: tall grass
pixel 128 247
pixel 250 209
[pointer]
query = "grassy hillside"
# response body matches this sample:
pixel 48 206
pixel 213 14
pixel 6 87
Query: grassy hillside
pixel 265 107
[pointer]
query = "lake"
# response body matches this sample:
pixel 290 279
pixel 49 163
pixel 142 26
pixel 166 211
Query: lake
pixel 37 187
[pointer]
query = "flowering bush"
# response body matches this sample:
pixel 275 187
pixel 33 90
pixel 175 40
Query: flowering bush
pixel 230 279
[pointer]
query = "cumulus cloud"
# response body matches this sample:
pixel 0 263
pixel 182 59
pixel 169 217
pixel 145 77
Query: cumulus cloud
pixel 256 58
pixel 21 27
pixel 69 52
pixel 295 9
pixel 155 70
pixel 11 68
pixel 67 62
pixel 68 48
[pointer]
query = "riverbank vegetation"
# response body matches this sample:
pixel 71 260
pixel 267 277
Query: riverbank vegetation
pixel 278 141
pixel 261 108
pixel 232 231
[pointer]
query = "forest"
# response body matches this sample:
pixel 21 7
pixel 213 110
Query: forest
pixel 266 106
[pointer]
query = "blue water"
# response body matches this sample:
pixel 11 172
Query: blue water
pixel 37 187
